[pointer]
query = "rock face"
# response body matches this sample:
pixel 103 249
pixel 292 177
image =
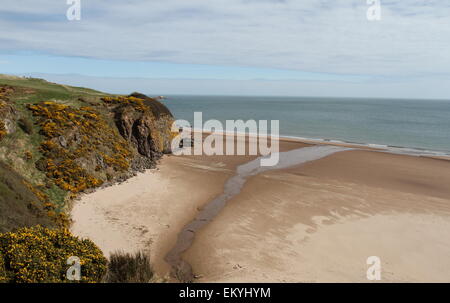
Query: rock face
pixel 87 147
pixel 145 123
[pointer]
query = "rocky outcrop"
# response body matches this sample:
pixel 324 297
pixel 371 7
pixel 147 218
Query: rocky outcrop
pixel 145 123
pixel 73 141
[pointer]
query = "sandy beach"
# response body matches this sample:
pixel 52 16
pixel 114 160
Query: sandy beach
pixel 314 222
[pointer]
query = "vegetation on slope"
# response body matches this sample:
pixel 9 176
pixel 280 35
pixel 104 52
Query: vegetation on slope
pixel 57 141
pixel 129 268
pixel 19 204
pixel 80 149
pixel 38 254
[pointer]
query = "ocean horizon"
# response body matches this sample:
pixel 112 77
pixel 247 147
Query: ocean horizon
pixel 411 126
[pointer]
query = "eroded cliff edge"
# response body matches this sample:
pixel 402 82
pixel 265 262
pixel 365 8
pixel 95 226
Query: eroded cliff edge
pixel 58 141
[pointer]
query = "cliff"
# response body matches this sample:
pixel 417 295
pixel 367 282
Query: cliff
pixel 57 141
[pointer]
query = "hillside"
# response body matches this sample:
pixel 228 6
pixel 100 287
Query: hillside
pixel 57 141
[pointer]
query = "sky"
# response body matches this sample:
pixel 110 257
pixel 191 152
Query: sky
pixel 233 47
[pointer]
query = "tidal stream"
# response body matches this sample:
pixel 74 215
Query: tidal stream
pixel 181 269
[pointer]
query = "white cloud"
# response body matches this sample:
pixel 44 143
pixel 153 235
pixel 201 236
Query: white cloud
pixel 332 36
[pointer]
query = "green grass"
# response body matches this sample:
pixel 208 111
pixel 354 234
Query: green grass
pixel 44 91
pixel 41 84
pixel 19 206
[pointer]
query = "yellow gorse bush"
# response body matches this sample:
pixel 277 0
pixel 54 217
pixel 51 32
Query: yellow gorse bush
pixel 135 102
pixel 39 255
pixel 85 134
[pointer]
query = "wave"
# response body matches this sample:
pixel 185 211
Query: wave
pixel 412 151
pixel 404 150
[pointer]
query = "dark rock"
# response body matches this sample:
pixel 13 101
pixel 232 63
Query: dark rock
pixel 148 131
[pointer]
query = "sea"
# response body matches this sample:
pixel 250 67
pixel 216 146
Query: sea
pixel 420 127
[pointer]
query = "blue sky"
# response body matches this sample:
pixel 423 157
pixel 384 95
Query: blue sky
pixel 24 63
pixel 289 47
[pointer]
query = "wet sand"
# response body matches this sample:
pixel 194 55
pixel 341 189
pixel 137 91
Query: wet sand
pixel 318 221
pixel 232 188
pixel 148 211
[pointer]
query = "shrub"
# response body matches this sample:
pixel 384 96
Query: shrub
pixel 137 103
pixel 39 255
pixel 129 268
pixel 73 138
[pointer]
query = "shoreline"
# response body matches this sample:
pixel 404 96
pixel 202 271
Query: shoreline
pixel 404 150
pixel 148 211
pixel 87 217
pixel 320 221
